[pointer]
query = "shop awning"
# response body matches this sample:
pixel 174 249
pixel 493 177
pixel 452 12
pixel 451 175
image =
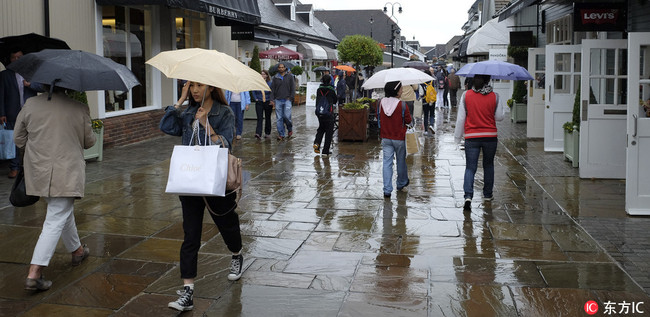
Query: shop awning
pixel 244 11
pixel 332 54
pixel 515 6
pixel 312 51
pixel 491 33
pixel 266 36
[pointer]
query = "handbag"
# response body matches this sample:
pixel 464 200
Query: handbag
pixel 18 196
pixel 7 145
pixel 412 141
pixel 234 178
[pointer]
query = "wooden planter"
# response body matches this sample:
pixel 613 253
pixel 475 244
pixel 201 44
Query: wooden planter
pixel 572 146
pixel 519 112
pixel 353 124
pixel 299 99
pixel 97 150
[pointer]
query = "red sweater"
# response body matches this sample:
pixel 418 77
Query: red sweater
pixel 480 122
pixel 394 127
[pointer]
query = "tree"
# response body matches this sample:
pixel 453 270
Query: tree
pixel 255 61
pixel 360 50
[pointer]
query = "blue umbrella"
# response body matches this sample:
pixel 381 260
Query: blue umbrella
pixel 496 70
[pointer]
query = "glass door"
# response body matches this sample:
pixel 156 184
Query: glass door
pixel 603 100
pixel 637 185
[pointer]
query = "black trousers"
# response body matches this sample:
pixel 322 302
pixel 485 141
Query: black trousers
pixel 326 127
pixel 445 94
pixel 228 224
pixel 263 110
pixel 453 93
pixel 429 112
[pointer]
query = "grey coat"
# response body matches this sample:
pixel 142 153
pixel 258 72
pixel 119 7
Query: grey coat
pixel 54 134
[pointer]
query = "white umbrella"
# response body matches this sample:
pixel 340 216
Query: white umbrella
pixel 408 76
pixel 209 67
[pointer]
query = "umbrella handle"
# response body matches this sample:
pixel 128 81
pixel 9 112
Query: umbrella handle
pixel 49 95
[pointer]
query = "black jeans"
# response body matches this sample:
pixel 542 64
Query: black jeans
pixel 228 225
pixel 263 110
pixel 429 112
pixel 453 93
pixel 325 126
pixel 445 94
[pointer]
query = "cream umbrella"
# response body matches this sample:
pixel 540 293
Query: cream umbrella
pixel 208 67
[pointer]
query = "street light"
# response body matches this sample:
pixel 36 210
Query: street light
pixel 371 21
pixel 392 26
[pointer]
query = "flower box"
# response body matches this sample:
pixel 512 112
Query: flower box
pixel 97 150
pixel 519 112
pixel 353 124
pixel 572 146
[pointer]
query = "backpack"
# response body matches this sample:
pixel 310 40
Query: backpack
pixel 430 93
pixel 441 84
pixel 323 106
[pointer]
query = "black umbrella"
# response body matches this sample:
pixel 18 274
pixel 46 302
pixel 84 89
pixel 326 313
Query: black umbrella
pixel 439 64
pixel 416 64
pixel 29 43
pixel 274 69
pixel 73 69
pixel 321 69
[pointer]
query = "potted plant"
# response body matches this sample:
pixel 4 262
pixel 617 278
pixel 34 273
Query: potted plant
pixel 518 109
pixel 97 150
pixel 572 133
pixel 353 122
pixel 301 96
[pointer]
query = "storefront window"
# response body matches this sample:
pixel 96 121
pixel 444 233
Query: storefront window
pixel 191 31
pixel 126 33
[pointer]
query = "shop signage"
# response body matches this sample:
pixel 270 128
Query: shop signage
pixel 599 17
pixel 239 31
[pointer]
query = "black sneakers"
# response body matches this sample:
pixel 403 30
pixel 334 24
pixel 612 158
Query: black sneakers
pixel 185 301
pixel 468 204
pixel 236 265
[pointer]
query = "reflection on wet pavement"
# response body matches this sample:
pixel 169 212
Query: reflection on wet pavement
pixel 321 240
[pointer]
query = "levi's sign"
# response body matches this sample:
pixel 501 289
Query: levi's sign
pixel 599 17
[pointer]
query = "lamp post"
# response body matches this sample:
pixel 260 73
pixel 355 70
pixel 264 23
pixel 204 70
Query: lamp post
pixel 371 21
pixel 392 25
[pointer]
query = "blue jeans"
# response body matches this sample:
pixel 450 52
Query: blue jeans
pixel 283 115
pixel 473 148
pixel 239 116
pixel 395 148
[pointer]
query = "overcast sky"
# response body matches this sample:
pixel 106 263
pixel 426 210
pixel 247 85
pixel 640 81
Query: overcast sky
pixel 430 21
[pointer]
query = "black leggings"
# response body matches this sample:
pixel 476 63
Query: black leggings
pixel 228 225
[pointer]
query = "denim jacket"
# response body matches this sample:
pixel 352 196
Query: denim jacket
pixel 179 123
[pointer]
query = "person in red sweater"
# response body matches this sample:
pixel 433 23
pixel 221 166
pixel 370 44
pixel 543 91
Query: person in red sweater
pixel 478 111
pixel 393 117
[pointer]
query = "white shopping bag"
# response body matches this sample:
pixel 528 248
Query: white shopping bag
pixel 198 171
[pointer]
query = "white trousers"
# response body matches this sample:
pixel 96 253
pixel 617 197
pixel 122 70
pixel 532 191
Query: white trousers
pixel 440 100
pixel 59 223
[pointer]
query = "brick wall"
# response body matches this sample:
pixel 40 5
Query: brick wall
pixel 132 128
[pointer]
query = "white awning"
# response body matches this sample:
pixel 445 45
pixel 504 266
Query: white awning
pixel 312 51
pixel 491 33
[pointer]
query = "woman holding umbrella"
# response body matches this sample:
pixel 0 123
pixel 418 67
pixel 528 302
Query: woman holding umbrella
pixel 478 111
pixel 206 104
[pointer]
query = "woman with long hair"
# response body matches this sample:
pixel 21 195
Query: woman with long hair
pixel 478 111
pixel 207 117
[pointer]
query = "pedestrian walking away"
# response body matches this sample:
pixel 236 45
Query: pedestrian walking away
pixel 454 85
pixel 239 102
pixel 283 88
pixel 263 108
pixel 325 100
pixel 53 134
pixel 478 111
pixel 341 88
pixel 393 117
pixel 206 104
pixel 429 105
pixel 14 91
pixel 445 92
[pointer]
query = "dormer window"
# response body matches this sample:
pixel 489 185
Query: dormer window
pixel 293 11
pixel 306 13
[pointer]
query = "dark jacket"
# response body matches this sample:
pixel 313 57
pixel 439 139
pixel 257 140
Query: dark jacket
pixel 179 123
pixel 10 96
pixel 257 94
pixel 283 87
pixel 341 88
pixel 328 93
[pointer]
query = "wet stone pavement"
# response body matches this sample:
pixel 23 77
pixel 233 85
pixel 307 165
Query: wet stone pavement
pixel 321 240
